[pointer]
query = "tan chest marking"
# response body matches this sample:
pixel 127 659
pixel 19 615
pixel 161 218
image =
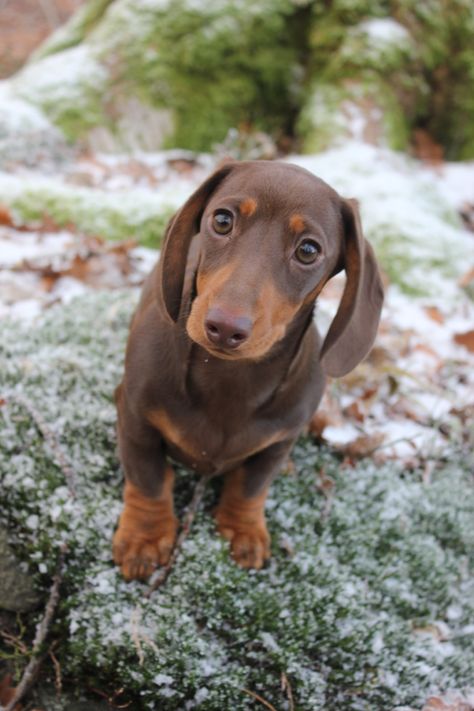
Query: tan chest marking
pixel 170 431
pixel 176 436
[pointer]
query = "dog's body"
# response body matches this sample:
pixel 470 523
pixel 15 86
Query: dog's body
pixel 224 364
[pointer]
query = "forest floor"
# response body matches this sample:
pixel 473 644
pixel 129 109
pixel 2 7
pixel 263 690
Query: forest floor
pixel 368 600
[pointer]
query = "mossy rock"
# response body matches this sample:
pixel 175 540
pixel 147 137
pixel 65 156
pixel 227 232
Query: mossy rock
pixel 358 110
pixel 132 214
pixel 206 68
pixel 187 72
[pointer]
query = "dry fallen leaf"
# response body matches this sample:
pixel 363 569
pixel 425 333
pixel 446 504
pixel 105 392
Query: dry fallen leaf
pixel 5 216
pixel 466 340
pixel 434 314
pixel 354 411
pixel 363 446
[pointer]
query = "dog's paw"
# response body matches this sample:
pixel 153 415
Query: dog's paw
pixel 249 540
pixel 138 555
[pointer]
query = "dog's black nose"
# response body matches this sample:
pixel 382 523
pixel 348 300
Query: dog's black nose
pixel 225 330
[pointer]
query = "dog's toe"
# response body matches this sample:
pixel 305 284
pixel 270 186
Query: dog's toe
pixel 138 556
pixel 250 551
pixel 249 541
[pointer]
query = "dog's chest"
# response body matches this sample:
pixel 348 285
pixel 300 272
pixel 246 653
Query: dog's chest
pixel 212 445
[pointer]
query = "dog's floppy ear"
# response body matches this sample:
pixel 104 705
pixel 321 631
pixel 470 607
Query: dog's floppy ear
pixel 180 231
pixel 352 332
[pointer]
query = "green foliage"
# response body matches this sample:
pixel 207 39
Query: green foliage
pixel 214 65
pixel 221 65
pixel 344 609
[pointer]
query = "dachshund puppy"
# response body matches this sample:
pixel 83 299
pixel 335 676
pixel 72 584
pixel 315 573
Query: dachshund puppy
pixel 224 365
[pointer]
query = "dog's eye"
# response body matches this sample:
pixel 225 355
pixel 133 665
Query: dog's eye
pixel 307 252
pixel 222 222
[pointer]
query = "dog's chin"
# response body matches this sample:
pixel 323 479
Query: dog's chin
pixel 220 352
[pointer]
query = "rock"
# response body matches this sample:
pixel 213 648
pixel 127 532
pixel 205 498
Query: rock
pixel 150 74
pixel 17 593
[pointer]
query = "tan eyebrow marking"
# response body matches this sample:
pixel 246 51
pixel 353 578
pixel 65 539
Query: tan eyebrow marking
pixel 297 223
pixel 247 207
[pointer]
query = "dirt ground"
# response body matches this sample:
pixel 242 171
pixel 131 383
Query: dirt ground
pixel 24 24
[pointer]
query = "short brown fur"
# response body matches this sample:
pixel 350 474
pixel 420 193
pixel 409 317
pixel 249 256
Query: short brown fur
pixel 224 365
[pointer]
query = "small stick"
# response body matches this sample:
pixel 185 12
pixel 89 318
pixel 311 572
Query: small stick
pixel 259 698
pixel 42 630
pixel 161 576
pixel 286 686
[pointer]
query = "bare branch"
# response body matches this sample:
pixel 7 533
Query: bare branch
pixel 267 704
pixel 160 577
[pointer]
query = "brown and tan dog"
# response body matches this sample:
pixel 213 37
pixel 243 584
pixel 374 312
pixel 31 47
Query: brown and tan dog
pixel 224 365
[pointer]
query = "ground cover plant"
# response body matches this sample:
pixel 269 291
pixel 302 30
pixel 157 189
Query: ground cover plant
pixel 367 603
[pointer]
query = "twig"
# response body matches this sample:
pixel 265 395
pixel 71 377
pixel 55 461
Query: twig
pixel 259 698
pixel 58 680
pixel 286 686
pixel 160 577
pixel 52 440
pixel 42 630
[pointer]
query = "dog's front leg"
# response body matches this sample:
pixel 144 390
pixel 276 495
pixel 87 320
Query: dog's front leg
pixel 147 526
pixel 240 515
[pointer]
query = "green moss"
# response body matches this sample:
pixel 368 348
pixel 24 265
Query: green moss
pixel 257 65
pixel 215 67
pixel 93 212
pixel 335 108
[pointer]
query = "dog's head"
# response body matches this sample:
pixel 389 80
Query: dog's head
pixel 271 235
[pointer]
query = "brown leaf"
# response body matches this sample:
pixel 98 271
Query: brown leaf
pixel 354 412
pixel 363 446
pixel 466 340
pixel 434 314
pixel 5 216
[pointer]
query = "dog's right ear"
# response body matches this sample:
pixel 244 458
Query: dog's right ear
pixel 180 231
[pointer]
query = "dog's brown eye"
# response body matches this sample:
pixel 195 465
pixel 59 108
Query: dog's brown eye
pixel 222 222
pixel 307 252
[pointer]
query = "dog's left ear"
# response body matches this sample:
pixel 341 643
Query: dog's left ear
pixel 179 233
pixel 353 330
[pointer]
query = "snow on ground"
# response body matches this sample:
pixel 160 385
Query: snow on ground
pixel 373 578
pixel 418 376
